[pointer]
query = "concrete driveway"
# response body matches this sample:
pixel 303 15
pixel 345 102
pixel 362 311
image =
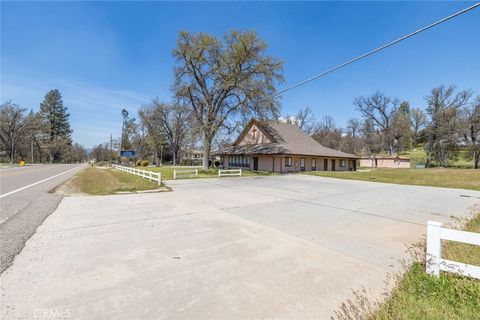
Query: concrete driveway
pixel 272 247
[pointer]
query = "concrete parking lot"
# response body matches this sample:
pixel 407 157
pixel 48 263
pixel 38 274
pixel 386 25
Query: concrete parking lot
pixel 267 247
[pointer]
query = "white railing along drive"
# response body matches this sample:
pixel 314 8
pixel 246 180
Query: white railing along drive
pixel 150 175
pixel 229 172
pixel 184 172
pixel 435 263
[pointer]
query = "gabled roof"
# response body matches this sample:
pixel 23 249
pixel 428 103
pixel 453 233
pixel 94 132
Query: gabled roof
pixel 286 139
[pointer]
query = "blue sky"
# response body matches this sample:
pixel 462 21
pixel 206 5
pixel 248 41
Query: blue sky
pixel 105 56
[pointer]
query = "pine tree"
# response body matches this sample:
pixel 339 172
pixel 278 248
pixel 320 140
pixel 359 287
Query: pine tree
pixel 56 124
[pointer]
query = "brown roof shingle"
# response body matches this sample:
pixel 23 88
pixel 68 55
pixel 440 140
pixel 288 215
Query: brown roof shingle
pixel 287 139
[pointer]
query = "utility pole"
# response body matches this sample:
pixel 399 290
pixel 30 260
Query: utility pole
pixel 111 149
pixel 31 147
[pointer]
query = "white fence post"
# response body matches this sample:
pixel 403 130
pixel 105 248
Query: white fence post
pixel 196 172
pixel 146 174
pixel 174 174
pixel 229 172
pixel 434 247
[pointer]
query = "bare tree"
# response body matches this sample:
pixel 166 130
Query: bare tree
pixel 471 129
pixel 327 133
pixel 224 79
pixel 352 139
pixel 305 120
pixel 172 121
pixel 442 133
pixel 353 127
pixel 14 125
pixel 418 120
pixel 380 110
pixel 372 140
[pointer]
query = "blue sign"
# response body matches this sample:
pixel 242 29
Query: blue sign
pixel 128 153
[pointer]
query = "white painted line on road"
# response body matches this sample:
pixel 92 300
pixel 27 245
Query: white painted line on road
pixel 38 182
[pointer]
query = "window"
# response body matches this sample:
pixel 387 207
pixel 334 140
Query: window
pixel 314 164
pixel 342 163
pixel 302 164
pixel 288 162
pixel 239 161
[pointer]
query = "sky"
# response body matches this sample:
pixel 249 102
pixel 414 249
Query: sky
pixel 106 56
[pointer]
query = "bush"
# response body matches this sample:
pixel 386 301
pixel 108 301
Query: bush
pixel 139 163
pixel 144 163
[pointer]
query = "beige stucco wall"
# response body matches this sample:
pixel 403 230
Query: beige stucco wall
pixel 265 163
pixel 386 163
pixel 277 164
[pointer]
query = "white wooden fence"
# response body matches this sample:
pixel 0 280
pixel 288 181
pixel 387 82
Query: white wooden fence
pixel 435 263
pixel 153 176
pixel 184 172
pixel 229 172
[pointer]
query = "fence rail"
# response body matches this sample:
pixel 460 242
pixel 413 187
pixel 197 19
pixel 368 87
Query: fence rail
pixel 229 172
pixel 435 263
pixel 150 175
pixel 187 172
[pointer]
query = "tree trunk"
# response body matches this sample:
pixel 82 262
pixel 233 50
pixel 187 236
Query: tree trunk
pixel 206 152
pixel 476 159
pixel 174 155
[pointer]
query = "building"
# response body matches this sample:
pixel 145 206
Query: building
pixel 385 162
pixel 282 147
pixel 193 157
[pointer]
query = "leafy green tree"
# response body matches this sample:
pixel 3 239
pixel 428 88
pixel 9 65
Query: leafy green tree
pixel 55 123
pixel 225 79
pixel 401 127
pixel 471 129
pixel 443 132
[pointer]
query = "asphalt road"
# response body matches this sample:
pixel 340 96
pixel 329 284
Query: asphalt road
pixel 25 202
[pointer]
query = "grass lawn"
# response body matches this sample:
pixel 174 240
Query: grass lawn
pixel 104 181
pixel 422 296
pixel 435 177
pixel 418 156
pixel 167 172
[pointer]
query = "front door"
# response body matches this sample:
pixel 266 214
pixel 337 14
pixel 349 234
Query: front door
pixel 302 164
pixel 325 165
pixel 255 163
pixel 333 164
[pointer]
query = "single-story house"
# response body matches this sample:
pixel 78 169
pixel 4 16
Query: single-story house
pixel 385 162
pixel 282 147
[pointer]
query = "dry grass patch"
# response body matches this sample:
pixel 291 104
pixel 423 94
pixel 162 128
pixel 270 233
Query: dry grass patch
pixel 95 181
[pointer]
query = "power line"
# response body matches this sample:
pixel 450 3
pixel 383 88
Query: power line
pixel 378 49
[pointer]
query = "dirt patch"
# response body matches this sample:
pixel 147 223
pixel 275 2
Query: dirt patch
pixel 69 189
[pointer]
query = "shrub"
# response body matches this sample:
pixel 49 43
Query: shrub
pixel 139 163
pixel 144 163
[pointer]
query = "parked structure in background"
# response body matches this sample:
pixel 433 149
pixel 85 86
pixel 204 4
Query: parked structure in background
pixel 385 162
pixel 193 157
pixel 282 147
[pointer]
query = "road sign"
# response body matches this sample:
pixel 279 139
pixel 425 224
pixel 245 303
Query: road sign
pixel 128 153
